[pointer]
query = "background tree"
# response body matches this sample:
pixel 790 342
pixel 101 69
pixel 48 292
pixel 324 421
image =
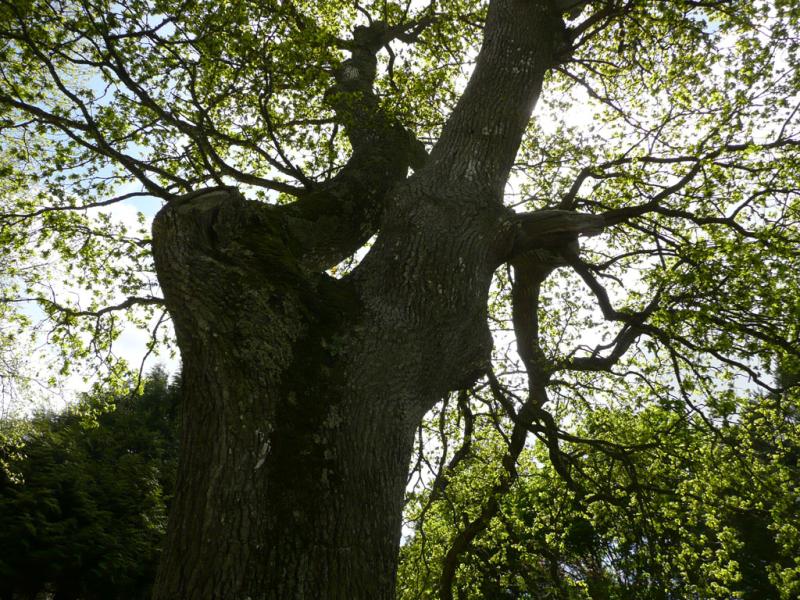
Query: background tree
pixel 698 512
pixel 281 137
pixel 83 502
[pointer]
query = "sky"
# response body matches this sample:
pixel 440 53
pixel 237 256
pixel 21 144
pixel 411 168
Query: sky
pixel 39 360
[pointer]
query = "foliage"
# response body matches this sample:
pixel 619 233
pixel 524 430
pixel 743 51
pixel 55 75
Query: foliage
pixel 83 502
pixel 684 512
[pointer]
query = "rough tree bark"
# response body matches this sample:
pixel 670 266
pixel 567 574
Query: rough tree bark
pixel 303 392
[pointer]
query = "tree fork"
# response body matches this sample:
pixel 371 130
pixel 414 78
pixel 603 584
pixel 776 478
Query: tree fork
pixel 328 379
pixel 315 511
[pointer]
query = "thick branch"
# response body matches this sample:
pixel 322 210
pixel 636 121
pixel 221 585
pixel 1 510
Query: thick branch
pixel 333 221
pixel 549 229
pixel 529 274
pixel 480 139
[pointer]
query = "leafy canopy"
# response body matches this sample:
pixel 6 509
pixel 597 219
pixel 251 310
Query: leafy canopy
pixel 675 121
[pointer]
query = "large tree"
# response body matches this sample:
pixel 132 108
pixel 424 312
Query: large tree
pixel 84 496
pixel 285 137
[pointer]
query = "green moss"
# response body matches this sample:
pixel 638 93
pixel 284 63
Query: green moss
pixel 315 380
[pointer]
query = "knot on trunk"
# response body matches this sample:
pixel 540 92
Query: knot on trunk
pixel 545 234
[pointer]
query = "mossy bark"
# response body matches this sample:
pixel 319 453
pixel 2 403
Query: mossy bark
pixel 303 392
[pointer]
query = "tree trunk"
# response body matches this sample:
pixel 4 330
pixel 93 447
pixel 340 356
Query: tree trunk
pixel 302 393
pixel 301 402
